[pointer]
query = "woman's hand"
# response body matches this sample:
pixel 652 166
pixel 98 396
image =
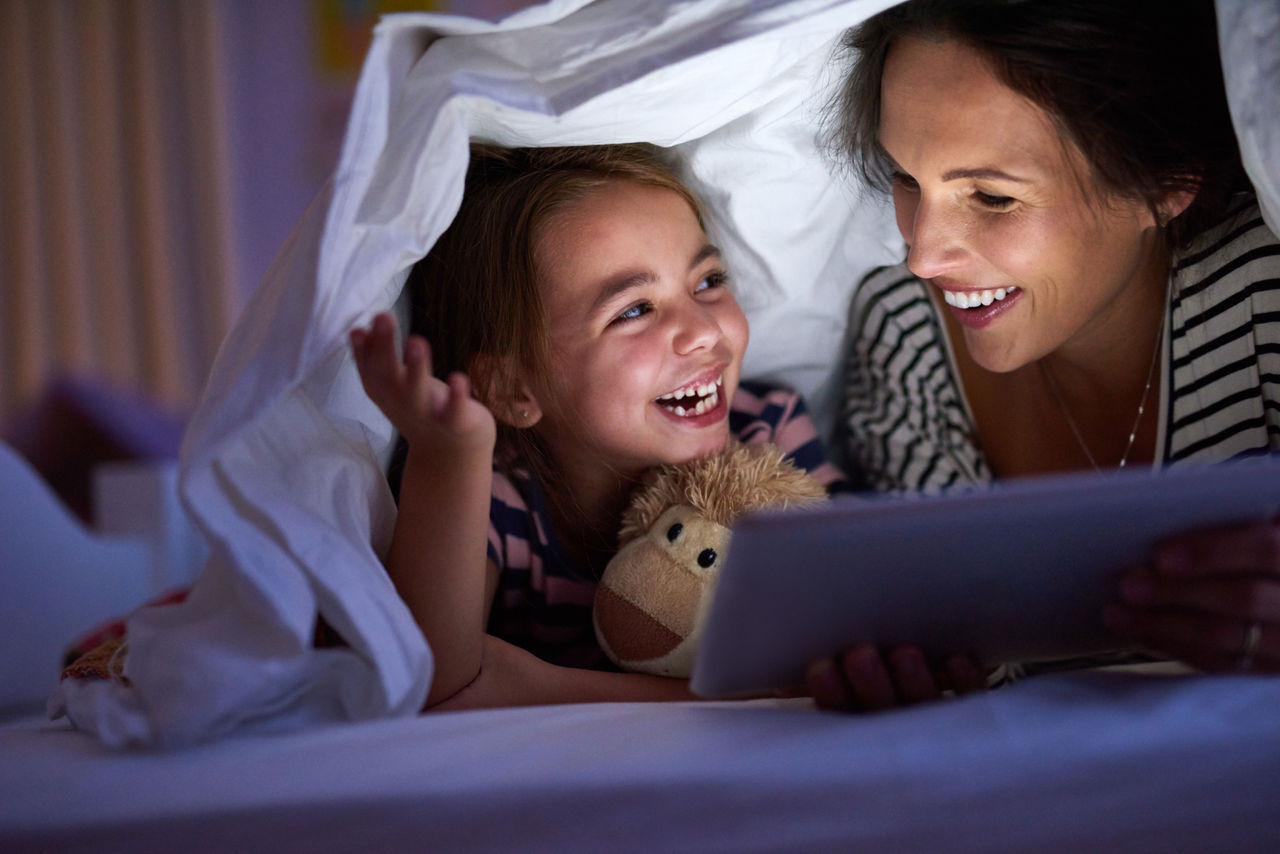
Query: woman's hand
pixel 861 679
pixel 427 411
pixel 1211 599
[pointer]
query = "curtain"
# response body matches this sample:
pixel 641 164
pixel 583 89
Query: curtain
pixel 116 251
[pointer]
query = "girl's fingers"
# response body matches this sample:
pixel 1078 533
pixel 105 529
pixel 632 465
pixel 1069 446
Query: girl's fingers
pixel 456 394
pixel 417 356
pixel 827 686
pixel 912 676
pixel 1246 549
pixel 378 360
pixel 965 676
pixel 868 679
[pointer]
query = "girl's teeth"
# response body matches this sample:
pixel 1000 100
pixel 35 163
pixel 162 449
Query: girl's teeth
pixel 973 299
pixel 704 405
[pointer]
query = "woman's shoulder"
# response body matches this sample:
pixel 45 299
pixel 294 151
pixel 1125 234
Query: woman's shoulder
pixel 1240 251
pixel 890 287
pixel 892 318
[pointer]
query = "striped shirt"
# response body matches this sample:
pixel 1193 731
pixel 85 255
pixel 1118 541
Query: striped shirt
pixel 909 428
pixel 543 601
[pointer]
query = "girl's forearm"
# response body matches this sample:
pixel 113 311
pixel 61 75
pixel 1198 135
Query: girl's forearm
pixel 574 685
pixel 437 557
pixel 511 676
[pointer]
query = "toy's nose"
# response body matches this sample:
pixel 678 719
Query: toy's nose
pixel 631 634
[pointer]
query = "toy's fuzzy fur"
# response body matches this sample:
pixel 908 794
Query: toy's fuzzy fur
pixel 721 486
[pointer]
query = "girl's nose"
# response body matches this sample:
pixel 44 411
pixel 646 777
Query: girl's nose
pixel 696 328
pixel 934 236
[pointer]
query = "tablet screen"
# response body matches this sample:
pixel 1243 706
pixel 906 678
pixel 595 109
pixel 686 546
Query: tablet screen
pixel 1017 572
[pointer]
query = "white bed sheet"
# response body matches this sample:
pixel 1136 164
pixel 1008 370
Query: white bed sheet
pixel 1100 761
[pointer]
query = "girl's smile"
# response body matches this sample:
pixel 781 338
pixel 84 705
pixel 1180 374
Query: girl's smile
pixel 646 340
pixel 696 399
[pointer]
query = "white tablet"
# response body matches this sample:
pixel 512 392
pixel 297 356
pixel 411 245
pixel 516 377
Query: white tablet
pixel 1018 572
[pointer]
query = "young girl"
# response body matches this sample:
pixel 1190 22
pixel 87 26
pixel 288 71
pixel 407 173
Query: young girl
pixel 581 331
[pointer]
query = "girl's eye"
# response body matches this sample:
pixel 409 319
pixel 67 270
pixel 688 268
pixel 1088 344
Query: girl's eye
pixel 634 312
pixel 995 203
pixel 714 279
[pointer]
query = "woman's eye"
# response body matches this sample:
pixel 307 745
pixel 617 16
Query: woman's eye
pixel 715 279
pixel 995 203
pixel 634 312
pixel 905 181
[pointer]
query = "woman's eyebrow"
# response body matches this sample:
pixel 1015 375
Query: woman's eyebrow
pixel 987 173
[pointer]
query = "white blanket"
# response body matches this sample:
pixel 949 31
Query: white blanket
pixel 282 465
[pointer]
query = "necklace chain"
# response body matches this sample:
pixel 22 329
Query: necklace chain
pixel 1137 419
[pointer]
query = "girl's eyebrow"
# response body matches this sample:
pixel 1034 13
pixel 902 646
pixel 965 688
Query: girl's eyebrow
pixel 611 288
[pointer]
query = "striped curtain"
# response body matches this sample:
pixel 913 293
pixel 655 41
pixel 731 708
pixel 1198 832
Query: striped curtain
pixel 116 263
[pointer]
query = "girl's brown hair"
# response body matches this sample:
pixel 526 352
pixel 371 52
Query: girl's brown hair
pixel 475 295
pixel 1136 85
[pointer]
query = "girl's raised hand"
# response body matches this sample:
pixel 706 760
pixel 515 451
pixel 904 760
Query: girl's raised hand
pixel 425 410
pixel 1211 599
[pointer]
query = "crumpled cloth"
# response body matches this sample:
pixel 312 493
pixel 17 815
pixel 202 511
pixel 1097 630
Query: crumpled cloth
pixel 282 464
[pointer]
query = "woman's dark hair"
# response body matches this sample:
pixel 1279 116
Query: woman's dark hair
pixel 1136 85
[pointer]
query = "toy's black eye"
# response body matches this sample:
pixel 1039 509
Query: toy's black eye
pixel 674 531
pixel 706 557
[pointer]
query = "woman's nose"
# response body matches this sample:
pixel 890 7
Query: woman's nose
pixel 934 236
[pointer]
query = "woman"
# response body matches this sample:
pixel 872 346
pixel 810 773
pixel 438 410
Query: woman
pixel 1088 285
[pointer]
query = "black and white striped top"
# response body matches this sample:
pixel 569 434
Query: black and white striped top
pixel 908 427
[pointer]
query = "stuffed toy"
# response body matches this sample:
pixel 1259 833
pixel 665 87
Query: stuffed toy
pixel 650 601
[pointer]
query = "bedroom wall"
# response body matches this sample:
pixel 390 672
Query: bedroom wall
pixel 153 158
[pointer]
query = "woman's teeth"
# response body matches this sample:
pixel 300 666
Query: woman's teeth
pixel 973 299
pixel 693 400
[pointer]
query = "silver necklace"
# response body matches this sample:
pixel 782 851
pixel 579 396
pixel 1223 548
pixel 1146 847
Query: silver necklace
pixel 1137 419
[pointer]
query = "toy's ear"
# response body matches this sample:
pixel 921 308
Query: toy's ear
pixel 503 388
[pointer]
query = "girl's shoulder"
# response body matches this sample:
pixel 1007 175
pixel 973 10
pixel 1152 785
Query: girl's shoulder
pixel 764 411
pixel 763 404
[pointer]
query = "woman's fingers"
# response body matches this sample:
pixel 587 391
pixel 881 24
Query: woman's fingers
pixel 862 679
pixel 1245 549
pixel 1206 641
pixel 1240 597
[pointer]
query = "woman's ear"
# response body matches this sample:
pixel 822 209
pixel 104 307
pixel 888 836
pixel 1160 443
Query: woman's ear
pixel 500 386
pixel 1173 204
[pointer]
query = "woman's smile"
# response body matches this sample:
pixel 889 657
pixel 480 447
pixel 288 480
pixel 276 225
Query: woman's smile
pixel 1030 253
pixel 977 308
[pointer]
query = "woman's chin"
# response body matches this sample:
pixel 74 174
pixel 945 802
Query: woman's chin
pixel 996 357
